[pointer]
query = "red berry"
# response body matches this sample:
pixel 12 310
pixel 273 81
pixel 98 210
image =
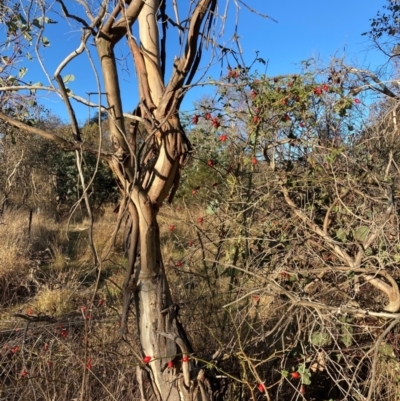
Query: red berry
pixel 325 87
pixel 261 387
pixel 254 160
pixel 170 364
pixel 302 389
pixel 256 119
pixel 89 364
pixel 210 163
pixel 191 243
pixel 215 122
pixel 179 264
pixel 287 117
pixel 295 375
pixel 317 91
pixel 253 94
pixel 147 359
pixel 200 220
pixel 357 100
pixel 195 119
pixel 24 373
pixel 185 359
pixel 171 227
pixel 302 125
pixel 208 116
pixel 223 137
pixel 194 192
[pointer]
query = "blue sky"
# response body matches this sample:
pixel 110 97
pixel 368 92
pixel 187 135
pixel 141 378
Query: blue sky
pixel 305 29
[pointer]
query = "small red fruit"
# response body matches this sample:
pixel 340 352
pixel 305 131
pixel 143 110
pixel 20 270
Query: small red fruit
pixel 170 364
pixel 171 227
pixel 30 311
pixel 357 100
pixel 253 94
pixel 191 243
pixel 208 116
pixel 210 163
pixel 325 87
pixel 185 359
pixel 302 125
pixel 256 119
pixel 215 122
pixel 45 347
pixel 295 375
pixel 302 389
pixel 194 192
pixel 261 387
pixel 317 91
pixel 147 359
pixel 179 264
pixel 89 364
pixel 254 161
pixel 223 137
pixel 64 333
pixel 15 349
pixel 195 119
pixel 200 220
pixel 287 117
pixel 24 373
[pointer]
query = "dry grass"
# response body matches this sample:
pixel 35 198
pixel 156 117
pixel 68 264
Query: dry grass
pixel 259 333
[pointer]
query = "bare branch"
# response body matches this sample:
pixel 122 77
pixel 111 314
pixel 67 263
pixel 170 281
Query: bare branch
pixel 392 290
pixel 64 144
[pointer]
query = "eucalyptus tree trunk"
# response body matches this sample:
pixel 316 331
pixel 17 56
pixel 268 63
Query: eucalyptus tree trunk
pixel 147 175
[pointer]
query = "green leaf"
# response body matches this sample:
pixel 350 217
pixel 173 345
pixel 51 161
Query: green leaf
pixel 69 78
pixel 45 41
pixel 22 72
pixel 285 373
pixel 27 35
pixel 361 233
pixel 305 374
pixel 320 339
pixel 347 332
pixel 341 235
pixel 386 350
pixel 48 20
pixel 36 23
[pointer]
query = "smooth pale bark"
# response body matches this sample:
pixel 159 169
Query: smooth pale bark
pixel 149 41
